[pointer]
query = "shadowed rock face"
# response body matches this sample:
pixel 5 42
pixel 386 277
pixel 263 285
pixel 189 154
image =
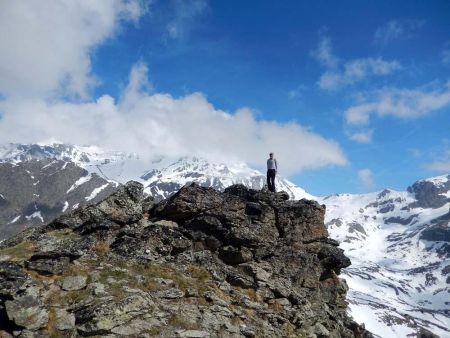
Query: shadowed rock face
pixel 36 191
pixel 429 195
pixel 242 263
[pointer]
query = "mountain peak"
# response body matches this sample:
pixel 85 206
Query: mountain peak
pixel 438 181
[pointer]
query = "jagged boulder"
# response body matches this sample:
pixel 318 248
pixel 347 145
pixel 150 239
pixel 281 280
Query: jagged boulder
pixel 122 207
pixel 199 264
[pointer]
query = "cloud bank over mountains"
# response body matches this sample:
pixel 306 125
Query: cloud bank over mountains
pixel 155 124
pixel 46 81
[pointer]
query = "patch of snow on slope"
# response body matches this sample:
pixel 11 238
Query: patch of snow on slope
pixel 96 191
pixel 36 214
pixel 79 182
pixel 14 220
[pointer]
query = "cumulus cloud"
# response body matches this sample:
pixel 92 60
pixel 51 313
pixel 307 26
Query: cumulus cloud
pixel 46 47
pixel 340 73
pixel 397 29
pixel 158 124
pixel 365 177
pixel 399 102
pixel 185 13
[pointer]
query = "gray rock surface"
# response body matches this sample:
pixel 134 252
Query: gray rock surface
pixel 27 311
pixel 64 320
pixel 74 283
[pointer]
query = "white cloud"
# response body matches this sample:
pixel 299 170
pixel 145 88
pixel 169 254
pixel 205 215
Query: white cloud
pixel 401 103
pixel 366 178
pixel 185 13
pixel 155 124
pixel 340 74
pixel 362 136
pixel 397 29
pixel 46 51
pixel 357 70
pixel 324 54
pixel 46 46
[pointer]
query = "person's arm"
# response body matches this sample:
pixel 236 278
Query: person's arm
pixel 276 165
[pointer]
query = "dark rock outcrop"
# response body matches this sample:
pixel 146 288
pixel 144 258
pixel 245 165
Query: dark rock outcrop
pixel 242 263
pixel 428 194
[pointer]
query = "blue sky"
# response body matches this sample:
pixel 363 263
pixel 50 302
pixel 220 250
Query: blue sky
pixel 368 77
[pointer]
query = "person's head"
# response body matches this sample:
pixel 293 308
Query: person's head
pixel 271 155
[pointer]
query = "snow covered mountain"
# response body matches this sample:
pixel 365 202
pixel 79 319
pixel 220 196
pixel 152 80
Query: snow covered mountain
pixel 399 244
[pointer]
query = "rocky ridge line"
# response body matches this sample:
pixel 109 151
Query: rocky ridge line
pixel 242 263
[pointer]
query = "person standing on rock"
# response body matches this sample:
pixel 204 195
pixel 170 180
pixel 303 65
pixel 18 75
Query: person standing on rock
pixel 272 168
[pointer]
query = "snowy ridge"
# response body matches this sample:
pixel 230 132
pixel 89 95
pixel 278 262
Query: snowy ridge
pixel 438 181
pixel 80 155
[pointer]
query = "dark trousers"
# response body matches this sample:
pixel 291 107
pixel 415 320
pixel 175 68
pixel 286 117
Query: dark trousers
pixel 271 179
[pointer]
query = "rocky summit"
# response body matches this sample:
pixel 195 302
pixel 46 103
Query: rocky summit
pixel 203 263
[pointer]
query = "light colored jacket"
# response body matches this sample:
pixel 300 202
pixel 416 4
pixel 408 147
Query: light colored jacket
pixel 272 164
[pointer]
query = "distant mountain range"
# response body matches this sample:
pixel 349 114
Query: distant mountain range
pixel 398 241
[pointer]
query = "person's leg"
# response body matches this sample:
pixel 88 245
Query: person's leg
pixel 272 180
pixel 268 179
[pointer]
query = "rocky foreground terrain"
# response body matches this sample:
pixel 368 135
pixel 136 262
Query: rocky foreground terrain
pixel 242 263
